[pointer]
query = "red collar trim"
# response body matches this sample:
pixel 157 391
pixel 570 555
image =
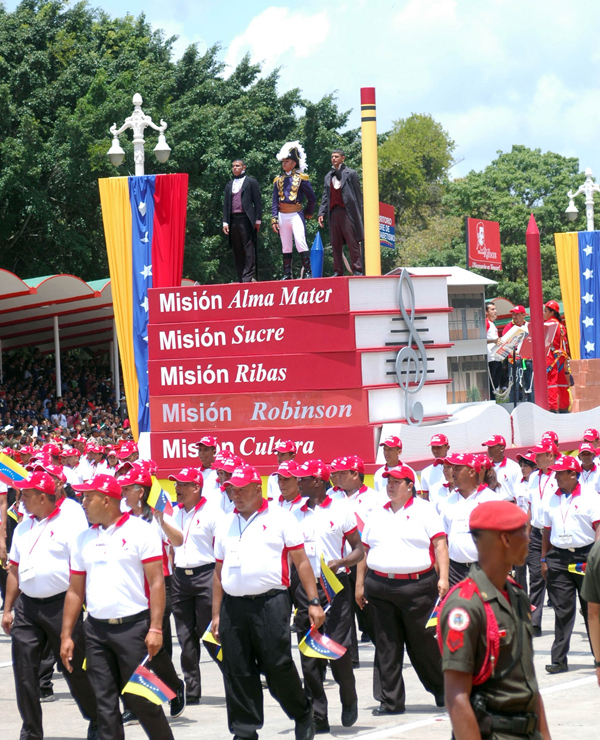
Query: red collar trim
pixel 503 463
pixel 576 492
pixel 410 502
pixel 591 470
pixel 326 502
pixel 388 506
pixel 304 507
pixel 119 523
pixel 295 501
pixel 481 488
pixel 363 489
pixel 263 507
pixel 445 485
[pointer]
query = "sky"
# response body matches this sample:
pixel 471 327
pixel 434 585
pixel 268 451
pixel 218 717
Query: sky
pixel 493 72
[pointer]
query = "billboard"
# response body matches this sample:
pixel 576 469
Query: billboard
pixel 483 244
pixel 387 226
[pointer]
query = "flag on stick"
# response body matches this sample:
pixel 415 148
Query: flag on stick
pixel 159 499
pixel 329 582
pixel 316 645
pixel 577 568
pixel 10 471
pixel 147 684
pixel 433 619
pixel 209 637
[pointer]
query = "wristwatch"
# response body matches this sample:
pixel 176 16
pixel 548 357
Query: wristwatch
pixel 597 663
pixel 314 602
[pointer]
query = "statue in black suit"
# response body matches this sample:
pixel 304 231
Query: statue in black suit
pixel 342 203
pixel 242 214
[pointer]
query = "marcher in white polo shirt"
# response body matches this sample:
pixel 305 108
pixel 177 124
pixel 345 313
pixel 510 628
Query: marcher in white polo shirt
pixel 70 460
pixel 40 555
pixel 571 525
pixel 467 494
pixel 392 449
pixel 404 539
pixel 197 518
pixel 590 470
pixel 439 492
pixel 286 451
pixel 542 485
pixel 523 501
pixel 508 471
pixel 225 463
pixel 207 449
pixel 116 567
pixel 432 476
pixel 333 527
pixel 251 607
pixel 289 497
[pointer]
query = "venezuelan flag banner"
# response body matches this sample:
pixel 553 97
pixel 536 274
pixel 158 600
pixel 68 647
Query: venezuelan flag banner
pixel 316 645
pixel 329 581
pixel 10 470
pixel 577 568
pixel 145 683
pixel 578 257
pixel 433 619
pixel 144 227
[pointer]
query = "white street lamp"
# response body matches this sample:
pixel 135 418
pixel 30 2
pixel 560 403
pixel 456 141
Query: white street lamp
pixel 138 121
pixel 588 189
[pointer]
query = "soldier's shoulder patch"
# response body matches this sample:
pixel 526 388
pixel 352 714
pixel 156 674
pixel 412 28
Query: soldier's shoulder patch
pixel 304 176
pixel 458 619
pixel 275 180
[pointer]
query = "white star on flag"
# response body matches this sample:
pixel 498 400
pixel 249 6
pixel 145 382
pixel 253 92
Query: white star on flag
pixel 144 305
pixel 147 272
pixel 588 274
pixel 145 238
pixel 588 321
pixel 588 250
pixel 142 208
pixel 588 298
pixel 145 339
pixel 589 347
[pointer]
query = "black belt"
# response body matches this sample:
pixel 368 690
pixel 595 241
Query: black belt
pixel 194 571
pixel 266 595
pixel 457 562
pixel 569 551
pixel 518 724
pixel 123 620
pixel 47 599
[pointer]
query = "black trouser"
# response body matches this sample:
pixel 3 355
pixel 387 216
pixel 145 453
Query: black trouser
pixel 38 624
pixel 457 572
pixel 242 237
pixel 166 625
pixel 537 585
pixel 401 609
pixel 563 587
pixel 255 635
pixel 192 609
pixel 113 652
pixel 162 662
pixel 341 232
pixel 337 626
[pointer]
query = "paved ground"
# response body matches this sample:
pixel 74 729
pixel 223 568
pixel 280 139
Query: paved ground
pixel 572 703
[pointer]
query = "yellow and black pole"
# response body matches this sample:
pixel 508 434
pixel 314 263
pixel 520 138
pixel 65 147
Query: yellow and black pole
pixel 370 180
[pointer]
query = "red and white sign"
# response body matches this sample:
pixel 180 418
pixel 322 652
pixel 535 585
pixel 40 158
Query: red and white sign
pixel 259 410
pixel 483 244
pixel 251 300
pixel 175 450
pixel 250 337
pixel 320 371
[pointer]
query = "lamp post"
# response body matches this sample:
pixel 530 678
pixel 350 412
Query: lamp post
pixel 138 121
pixel 588 189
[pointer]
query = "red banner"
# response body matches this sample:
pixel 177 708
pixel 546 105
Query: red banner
pixel 483 244
pixel 170 207
pixel 259 410
pixel 250 337
pixel 249 301
pixel 175 450
pixel 322 371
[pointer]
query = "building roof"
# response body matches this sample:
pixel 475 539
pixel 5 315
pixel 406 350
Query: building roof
pixel 456 275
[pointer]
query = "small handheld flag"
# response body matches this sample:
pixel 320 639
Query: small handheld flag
pixel 209 637
pixel 329 582
pixel 316 645
pixel 577 568
pixel 158 499
pixel 10 470
pixel 433 619
pixel 147 684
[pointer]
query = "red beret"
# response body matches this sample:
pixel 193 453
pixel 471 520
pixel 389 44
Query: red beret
pixel 498 516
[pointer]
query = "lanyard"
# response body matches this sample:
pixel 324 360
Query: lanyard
pixel 248 523
pixel 51 516
pixel 566 514
pixel 589 473
pixel 540 489
pixel 193 512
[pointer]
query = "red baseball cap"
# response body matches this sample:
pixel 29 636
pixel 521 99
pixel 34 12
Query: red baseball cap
pixel 103 484
pixel 566 462
pixel 529 456
pixel 27 450
pixel 313 469
pixel 287 469
pixel 137 476
pixel 56 470
pixel 188 475
pixel 439 439
pixel 207 441
pixel 590 435
pixel 226 461
pixel 495 439
pixel 73 452
pixel 51 449
pixel 350 462
pixel 333 465
pixel 39 480
pixel 400 471
pixel 392 442
pixel 485 461
pixel 243 475
pixel 498 516
pixel 542 448
pixel 552 436
pixel 553 305
pixel 587 447
pixel 126 449
pixel 518 309
pixel 464 458
pixel 440 461
pixel 285 445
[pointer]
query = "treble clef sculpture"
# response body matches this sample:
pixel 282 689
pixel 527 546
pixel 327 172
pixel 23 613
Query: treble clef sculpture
pixel 411 364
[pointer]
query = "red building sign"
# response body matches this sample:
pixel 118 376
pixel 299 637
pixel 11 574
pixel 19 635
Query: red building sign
pixel 483 244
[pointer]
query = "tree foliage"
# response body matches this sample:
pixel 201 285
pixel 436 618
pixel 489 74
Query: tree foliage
pixel 68 72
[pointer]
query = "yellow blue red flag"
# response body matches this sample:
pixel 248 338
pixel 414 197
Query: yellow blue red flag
pixel 145 683
pixel 577 568
pixel 209 637
pixel 316 645
pixel 10 470
pixel 433 619
pixel 329 582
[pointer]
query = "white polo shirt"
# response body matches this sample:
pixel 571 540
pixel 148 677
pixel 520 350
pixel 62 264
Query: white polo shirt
pixel 571 518
pixel 508 473
pixel 590 479
pixel 255 552
pixel 273 490
pixel 455 515
pixel 281 503
pixel 380 483
pixel 541 487
pixel 165 541
pixel 72 475
pixel 432 475
pixel 402 542
pixel 333 522
pixel 42 551
pixel 306 519
pixel 364 501
pixel 523 495
pixel 199 526
pixel 75 512
pixel 84 468
pixel 438 494
pixel 112 560
pixel 211 488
